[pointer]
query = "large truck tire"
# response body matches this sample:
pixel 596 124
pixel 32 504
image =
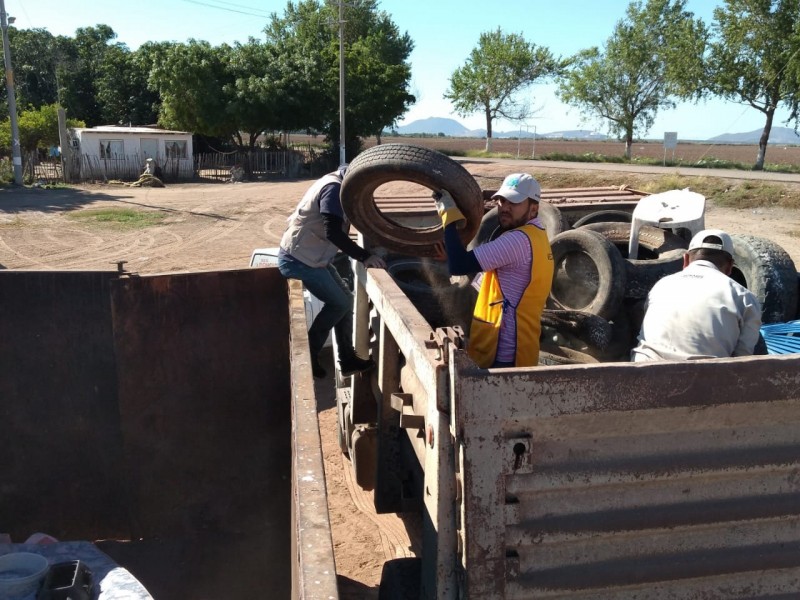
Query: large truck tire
pixel 428 285
pixel 552 218
pixel 401 579
pixel 604 216
pixel 661 253
pixel 402 162
pixel 554 355
pixel 768 271
pixel 589 273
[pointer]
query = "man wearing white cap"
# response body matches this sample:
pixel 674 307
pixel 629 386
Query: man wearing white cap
pixel 700 312
pixel 517 272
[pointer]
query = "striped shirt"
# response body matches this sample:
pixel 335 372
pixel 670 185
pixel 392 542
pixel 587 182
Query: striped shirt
pixel 510 256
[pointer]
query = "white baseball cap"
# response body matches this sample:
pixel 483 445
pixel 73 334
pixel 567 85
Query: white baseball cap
pixel 706 239
pixel 518 187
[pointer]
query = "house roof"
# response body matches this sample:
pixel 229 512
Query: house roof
pixel 116 129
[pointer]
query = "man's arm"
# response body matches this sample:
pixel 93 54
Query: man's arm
pixel 750 328
pixel 460 261
pixel 336 236
pixel 330 207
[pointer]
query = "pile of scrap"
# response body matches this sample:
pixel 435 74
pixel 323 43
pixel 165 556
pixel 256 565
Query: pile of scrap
pixel 147 180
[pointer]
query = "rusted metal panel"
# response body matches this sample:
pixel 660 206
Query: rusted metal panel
pixel 594 195
pixel 407 207
pixel 312 543
pixel 660 480
pixel 204 388
pixel 59 422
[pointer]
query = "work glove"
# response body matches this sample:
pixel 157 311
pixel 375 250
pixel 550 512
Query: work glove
pixel 374 262
pixel 447 209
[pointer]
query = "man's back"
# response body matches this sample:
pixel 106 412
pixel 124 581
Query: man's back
pixel 698 313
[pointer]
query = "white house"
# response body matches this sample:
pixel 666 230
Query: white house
pixel 111 151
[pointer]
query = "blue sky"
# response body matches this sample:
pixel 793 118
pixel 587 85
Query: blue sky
pixel 444 32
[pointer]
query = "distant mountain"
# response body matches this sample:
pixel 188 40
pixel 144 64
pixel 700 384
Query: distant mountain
pixel 452 128
pixel 435 126
pixel 778 135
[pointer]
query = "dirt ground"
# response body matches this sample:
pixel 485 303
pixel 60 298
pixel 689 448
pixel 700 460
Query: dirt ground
pixel 216 226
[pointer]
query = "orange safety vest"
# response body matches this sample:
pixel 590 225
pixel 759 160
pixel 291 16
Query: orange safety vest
pixel 488 314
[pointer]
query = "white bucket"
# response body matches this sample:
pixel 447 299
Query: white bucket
pixel 21 574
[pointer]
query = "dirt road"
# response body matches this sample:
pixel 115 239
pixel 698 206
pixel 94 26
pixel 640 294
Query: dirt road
pixel 216 226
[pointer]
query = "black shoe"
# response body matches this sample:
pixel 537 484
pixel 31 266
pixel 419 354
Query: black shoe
pixel 317 369
pixel 355 364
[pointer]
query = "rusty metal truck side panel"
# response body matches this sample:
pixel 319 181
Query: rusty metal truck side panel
pixel 158 410
pixel 616 480
pixel 621 480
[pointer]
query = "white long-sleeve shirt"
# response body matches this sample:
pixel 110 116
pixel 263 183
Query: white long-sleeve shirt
pixel 698 313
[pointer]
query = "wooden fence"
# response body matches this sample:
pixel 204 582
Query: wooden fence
pixel 298 161
pixel 258 165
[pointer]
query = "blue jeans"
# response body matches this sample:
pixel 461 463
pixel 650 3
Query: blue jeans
pixel 337 314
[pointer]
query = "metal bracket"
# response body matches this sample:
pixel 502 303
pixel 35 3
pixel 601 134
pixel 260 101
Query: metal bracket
pixel 443 336
pixel 404 404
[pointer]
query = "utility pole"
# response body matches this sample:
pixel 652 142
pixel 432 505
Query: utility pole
pixel 342 154
pixel 16 154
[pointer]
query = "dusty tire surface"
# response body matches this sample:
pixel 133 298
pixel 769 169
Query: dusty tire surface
pixel 662 251
pixel 402 162
pixel 604 216
pixel 768 271
pixel 551 354
pixel 400 579
pixel 589 273
pixel 428 285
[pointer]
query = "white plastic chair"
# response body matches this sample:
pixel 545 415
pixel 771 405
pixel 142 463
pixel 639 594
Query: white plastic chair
pixel 667 210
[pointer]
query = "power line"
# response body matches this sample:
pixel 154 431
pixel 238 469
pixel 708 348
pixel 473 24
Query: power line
pixel 233 10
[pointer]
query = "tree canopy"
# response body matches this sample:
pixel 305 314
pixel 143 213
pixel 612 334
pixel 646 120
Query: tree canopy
pixel 654 56
pixel 287 81
pixel 755 59
pixel 498 69
pixel 38 128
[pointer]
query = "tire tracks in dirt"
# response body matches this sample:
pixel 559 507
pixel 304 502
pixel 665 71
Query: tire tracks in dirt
pixel 394 537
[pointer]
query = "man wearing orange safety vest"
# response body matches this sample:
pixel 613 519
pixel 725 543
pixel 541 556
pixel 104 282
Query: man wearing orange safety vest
pixel 516 267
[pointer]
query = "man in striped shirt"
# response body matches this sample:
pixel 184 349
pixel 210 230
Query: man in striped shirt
pixel 516 274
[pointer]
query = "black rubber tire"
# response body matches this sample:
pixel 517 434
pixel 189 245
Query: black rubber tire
pixel 402 162
pixel 550 354
pixel 428 285
pixel 401 579
pixel 662 249
pixel 603 216
pixel 552 218
pixel 768 271
pixel 596 288
pixel 341 425
pixel 585 328
pixel 623 339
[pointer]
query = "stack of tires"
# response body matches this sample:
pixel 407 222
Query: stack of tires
pixel 594 274
pixel 597 300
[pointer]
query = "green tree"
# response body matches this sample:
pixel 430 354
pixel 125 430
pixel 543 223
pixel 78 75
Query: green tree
pixel 190 79
pixel 754 58
pixel 38 128
pixel 305 42
pixel 653 57
pixel 122 92
pixel 498 69
pixel 35 55
pixel 79 70
pixel 378 72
